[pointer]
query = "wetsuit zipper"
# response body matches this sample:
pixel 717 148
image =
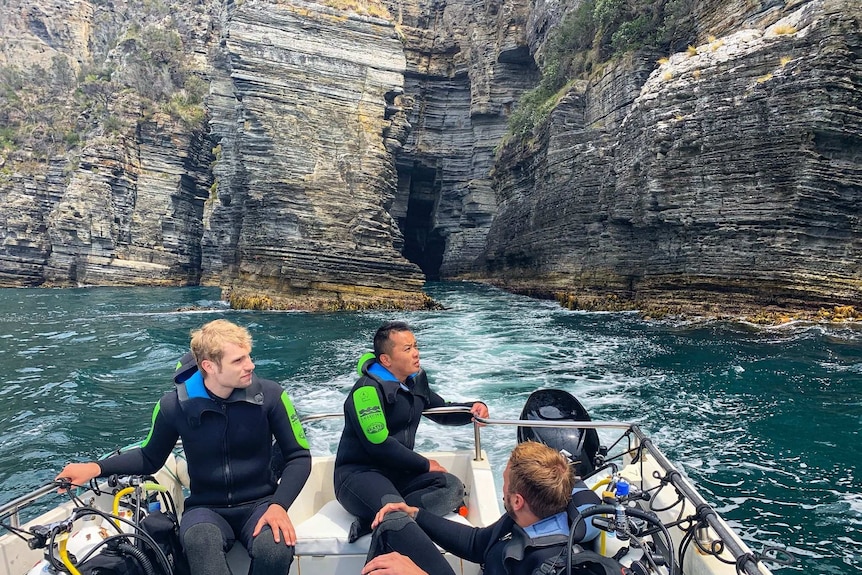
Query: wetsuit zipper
pixel 228 480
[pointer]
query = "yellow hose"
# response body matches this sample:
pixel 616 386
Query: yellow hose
pixel 64 556
pixel 602 535
pixel 116 508
pixel 125 491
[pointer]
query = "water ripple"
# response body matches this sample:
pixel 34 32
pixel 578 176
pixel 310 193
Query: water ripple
pixel 765 422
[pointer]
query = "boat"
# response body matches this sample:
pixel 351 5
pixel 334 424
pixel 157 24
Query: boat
pixel 652 519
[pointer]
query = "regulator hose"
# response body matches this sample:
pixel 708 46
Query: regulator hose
pixel 64 555
pixel 139 556
pixel 630 511
pixel 126 490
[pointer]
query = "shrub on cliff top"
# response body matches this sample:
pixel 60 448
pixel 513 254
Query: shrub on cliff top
pixel 30 118
pixel 595 31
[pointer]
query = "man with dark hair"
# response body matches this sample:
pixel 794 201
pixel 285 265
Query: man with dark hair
pixel 538 486
pixel 227 418
pixel 375 463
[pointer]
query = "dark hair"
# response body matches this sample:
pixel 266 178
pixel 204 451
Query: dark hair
pixel 382 344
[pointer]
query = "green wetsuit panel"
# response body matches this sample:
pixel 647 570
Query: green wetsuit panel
pixel 372 420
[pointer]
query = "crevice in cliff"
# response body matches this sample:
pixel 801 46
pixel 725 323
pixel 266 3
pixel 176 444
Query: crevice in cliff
pixel 423 243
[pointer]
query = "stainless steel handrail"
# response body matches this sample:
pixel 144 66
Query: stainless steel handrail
pixel 477 440
pixel 704 509
pixel 479 422
pixel 12 508
pixel 318 416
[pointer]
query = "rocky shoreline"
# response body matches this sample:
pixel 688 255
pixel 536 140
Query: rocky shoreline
pixel 687 306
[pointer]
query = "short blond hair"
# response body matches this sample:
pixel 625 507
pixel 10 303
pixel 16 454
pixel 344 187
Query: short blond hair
pixel 208 341
pixel 542 476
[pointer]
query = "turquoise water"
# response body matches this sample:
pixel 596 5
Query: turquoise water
pixel 765 422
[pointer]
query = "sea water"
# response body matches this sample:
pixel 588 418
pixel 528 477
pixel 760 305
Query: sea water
pixel 765 421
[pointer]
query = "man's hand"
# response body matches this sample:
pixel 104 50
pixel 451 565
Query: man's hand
pixel 78 473
pixel 277 519
pixel 479 409
pixel 390 507
pixel 434 466
pixel 392 564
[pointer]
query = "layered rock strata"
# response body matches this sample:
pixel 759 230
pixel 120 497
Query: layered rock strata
pixel 124 204
pixel 302 100
pixel 731 178
pixel 345 151
pixel 467 65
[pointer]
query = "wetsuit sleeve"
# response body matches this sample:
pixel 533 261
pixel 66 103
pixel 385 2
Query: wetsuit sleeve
pixel 450 418
pixel 364 412
pixel 153 452
pixel 288 432
pixel 470 543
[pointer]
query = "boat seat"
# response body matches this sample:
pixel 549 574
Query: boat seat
pixel 326 532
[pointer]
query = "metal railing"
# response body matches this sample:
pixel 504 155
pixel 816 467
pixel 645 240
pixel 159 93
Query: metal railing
pixel 11 510
pixel 479 422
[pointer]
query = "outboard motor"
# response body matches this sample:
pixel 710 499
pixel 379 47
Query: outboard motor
pixel 580 445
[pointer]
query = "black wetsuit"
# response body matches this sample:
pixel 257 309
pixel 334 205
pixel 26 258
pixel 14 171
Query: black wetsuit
pixel 502 548
pixel 228 446
pixel 375 462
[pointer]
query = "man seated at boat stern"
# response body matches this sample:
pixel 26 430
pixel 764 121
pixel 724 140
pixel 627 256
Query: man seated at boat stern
pixel 227 418
pixel 375 463
pixel 542 498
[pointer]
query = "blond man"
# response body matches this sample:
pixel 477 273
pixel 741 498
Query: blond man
pixel 227 418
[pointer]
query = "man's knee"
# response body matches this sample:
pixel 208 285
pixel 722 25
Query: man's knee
pixel 202 540
pixel 394 521
pixel 447 496
pixel 269 555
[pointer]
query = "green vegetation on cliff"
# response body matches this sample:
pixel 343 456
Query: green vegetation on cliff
pixel 594 32
pixel 29 115
pixel 49 112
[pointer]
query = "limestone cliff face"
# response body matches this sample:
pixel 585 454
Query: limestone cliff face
pixel 727 175
pixel 123 203
pixel 278 193
pixel 335 154
pixel 305 106
pixel 467 65
pixel 341 143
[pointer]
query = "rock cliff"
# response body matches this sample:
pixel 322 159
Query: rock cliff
pixel 725 179
pixel 335 154
pixel 306 107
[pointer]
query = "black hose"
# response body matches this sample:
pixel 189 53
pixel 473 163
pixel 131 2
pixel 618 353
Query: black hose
pixel 139 533
pixel 630 511
pixel 139 556
pixel 651 518
pixel 164 564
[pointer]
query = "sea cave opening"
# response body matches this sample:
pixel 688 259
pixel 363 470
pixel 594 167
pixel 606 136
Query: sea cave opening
pixel 423 243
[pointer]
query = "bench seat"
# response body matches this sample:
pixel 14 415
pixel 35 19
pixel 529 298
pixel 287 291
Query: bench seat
pixel 326 532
